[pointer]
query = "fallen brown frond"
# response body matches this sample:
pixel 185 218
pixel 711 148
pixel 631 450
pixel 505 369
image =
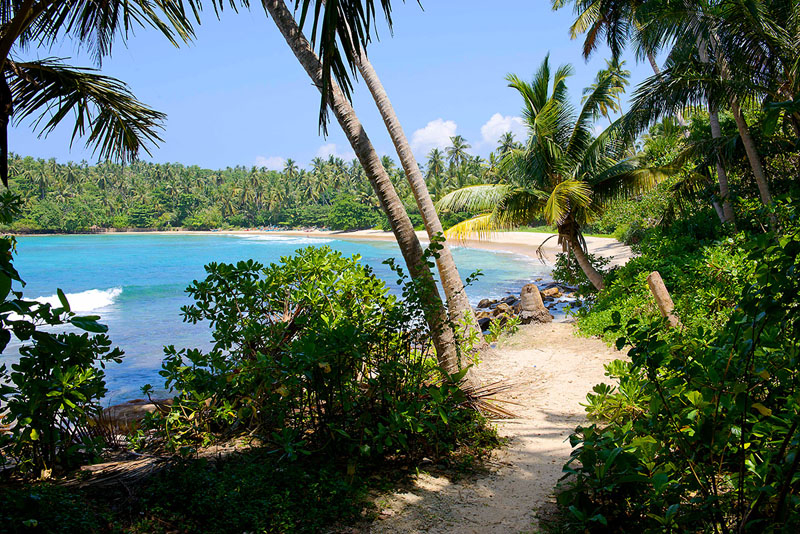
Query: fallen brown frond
pixel 483 398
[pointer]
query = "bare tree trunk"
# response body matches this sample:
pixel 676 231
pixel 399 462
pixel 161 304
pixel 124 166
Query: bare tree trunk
pixel 752 153
pixel 744 131
pixel 583 261
pixel 716 133
pixel 457 300
pixel 678 114
pixel 722 174
pixel 402 228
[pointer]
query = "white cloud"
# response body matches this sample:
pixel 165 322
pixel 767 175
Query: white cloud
pixel 330 149
pixel 435 134
pixel 497 125
pixel 273 163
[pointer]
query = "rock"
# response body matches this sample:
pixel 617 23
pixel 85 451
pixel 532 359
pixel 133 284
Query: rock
pixel 483 315
pixel 484 323
pixel 510 300
pixel 532 309
pixel 551 293
pixel 126 416
pixel 503 308
pixel 484 303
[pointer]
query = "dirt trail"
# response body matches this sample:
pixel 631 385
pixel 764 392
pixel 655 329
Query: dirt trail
pixel 552 370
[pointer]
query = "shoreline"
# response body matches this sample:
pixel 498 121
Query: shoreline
pixel 524 243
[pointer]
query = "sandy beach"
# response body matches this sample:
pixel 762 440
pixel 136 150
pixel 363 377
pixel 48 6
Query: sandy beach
pixel 526 243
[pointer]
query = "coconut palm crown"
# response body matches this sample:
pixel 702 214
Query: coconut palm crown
pixel 564 173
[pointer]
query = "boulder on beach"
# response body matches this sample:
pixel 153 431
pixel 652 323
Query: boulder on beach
pixel 485 303
pixel 551 293
pixel 532 308
pixel 484 323
pixel 503 308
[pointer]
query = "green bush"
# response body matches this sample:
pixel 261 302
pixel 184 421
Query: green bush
pixel 49 509
pixel 704 270
pixel 701 434
pixel 312 354
pixel 50 395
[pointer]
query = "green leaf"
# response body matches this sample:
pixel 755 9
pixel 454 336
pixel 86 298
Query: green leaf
pixel 63 299
pixel 90 324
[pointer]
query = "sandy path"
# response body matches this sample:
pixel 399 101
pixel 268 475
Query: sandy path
pixel 552 370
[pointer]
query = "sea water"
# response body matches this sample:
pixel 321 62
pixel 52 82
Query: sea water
pixel 137 282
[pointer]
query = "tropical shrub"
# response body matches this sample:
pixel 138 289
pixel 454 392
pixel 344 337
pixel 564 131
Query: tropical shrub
pixel 50 396
pixel 312 354
pixel 701 434
pixel 703 268
pixel 347 213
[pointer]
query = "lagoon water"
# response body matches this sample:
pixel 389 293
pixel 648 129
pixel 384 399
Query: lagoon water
pixel 136 283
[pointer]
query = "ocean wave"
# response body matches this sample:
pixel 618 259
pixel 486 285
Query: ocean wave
pixel 85 301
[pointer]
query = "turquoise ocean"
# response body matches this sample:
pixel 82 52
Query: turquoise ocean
pixel 136 283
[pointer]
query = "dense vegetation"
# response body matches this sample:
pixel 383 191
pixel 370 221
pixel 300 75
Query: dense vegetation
pixel 696 430
pixel 332 193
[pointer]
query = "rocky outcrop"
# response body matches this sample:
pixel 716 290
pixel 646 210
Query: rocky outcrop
pixel 532 308
pixel 127 416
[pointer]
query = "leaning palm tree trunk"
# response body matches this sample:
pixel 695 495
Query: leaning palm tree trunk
pixel 457 300
pixel 583 261
pixel 401 225
pixel 744 131
pixel 716 133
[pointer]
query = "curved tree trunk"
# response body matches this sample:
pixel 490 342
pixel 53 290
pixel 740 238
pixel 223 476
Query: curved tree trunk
pixel 722 174
pixel 716 133
pixel 752 153
pixel 402 228
pixel 583 261
pixel 457 300
pixel 744 131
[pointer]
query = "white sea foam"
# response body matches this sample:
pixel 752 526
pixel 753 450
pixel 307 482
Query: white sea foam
pixel 85 301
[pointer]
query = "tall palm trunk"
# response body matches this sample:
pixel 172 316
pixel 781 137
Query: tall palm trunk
pixel 457 300
pixel 716 133
pixel 744 130
pixel 401 225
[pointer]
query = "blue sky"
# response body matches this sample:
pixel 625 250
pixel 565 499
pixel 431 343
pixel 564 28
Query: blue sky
pixel 237 95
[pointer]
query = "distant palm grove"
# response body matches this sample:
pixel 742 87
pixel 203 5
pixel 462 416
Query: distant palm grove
pixel 333 193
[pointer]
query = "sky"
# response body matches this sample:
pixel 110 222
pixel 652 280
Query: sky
pixel 237 95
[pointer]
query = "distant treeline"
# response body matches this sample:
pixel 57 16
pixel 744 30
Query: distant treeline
pixel 79 197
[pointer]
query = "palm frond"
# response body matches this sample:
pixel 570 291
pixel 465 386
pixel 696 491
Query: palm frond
pixel 565 197
pixel 480 227
pixel 484 197
pixel 114 122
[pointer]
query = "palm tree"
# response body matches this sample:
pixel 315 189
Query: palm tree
pixel 390 202
pixel 614 69
pixel 47 90
pixel 506 144
pixel 619 21
pixel 563 174
pixel 452 284
pixel 457 151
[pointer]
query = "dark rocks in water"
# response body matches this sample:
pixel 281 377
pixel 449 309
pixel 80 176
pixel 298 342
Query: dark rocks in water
pixel 551 292
pixel 510 300
pixel 503 308
pixel 485 303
